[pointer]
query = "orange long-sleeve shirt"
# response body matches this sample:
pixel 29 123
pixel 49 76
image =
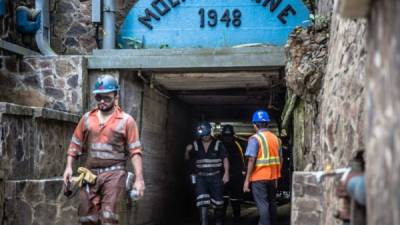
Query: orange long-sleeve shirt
pixel 106 144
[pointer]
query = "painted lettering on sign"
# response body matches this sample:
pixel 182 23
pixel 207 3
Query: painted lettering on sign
pixel 175 22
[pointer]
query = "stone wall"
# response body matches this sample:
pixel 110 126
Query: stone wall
pixel 382 109
pixel 31 202
pixel 341 112
pixel 51 82
pixel 72 31
pixel 330 117
pixel 31 157
pixel 307 200
pixel 29 146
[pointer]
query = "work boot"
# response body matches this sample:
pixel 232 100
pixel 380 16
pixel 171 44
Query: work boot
pixel 219 216
pixel 203 215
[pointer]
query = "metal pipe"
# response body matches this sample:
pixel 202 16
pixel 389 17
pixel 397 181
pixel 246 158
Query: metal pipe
pixel 109 24
pixel 43 34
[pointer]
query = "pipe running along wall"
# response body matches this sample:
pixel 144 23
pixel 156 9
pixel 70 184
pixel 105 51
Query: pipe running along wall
pixel 109 24
pixel 43 34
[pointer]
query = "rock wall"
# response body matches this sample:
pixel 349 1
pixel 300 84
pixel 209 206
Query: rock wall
pixel 382 109
pixel 329 119
pixel 307 55
pixel 341 112
pixel 31 202
pixel 307 199
pixel 31 159
pixel 72 31
pixel 51 82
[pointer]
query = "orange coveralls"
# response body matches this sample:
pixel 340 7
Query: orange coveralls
pixel 108 147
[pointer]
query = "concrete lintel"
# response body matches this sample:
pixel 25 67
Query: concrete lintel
pixel 247 58
pixel 14 109
pixel 16 48
pixel 353 8
pixel 46 113
pixel 37 112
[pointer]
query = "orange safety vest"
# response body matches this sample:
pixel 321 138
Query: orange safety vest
pixel 267 165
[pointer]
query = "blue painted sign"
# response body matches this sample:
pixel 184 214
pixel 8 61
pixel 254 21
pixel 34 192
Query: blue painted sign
pixel 210 23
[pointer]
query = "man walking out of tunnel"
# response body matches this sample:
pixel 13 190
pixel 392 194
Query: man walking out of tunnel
pixel 234 188
pixel 211 161
pixel 110 137
pixel 263 170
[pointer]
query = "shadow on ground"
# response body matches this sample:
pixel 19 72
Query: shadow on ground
pixel 249 216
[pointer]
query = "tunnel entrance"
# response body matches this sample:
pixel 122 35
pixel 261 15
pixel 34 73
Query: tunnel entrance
pixel 168 91
pixel 231 98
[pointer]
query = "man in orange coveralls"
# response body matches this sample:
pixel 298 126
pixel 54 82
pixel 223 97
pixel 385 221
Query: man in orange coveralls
pixel 109 137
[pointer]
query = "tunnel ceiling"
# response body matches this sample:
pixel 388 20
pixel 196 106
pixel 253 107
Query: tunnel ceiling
pixel 213 81
pixel 228 96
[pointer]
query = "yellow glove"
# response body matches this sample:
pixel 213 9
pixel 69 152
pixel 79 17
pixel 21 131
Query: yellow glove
pixel 85 175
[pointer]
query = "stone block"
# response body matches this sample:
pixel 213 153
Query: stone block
pixel 31 148
pixel 31 202
pixel 54 92
pixel 18 146
pixel 46 82
pixel 307 200
pixel 73 81
pixel 51 149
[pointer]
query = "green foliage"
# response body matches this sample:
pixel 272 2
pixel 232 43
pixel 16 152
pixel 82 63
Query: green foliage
pixel 319 21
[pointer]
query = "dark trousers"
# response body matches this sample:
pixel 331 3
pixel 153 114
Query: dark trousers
pixel 234 194
pixel 209 190
pixel 264 193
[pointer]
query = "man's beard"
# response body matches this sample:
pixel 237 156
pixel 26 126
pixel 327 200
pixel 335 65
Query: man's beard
pixel 106 108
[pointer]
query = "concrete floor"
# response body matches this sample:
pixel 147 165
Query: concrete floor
pixel 249 216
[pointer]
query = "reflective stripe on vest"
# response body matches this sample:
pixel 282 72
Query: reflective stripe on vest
pixel 266 159
pixel 217 146
pixel 196 147
pixel 76 141
pixel 134 145
pixel 101 147
pixel 107 155
pixel 86 121
pixel 208 163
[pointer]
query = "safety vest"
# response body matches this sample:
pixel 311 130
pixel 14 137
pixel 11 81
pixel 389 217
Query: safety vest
pixel 267 165
pixel 208 163
pixel 268 155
